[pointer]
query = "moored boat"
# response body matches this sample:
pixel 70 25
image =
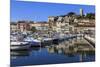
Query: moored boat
pixel 33 42
pixel 47 41
pixel 15 45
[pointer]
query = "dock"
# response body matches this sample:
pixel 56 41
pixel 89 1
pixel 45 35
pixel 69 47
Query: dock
pixel 90 40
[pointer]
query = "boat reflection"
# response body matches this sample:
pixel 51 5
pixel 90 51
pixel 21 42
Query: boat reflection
pixel 19 53
pixel 36 48
pixel 24 52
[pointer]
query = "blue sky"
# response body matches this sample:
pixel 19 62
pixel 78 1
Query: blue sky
pixel 38 11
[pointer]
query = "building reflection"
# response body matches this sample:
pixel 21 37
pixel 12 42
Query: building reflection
pixel 72 48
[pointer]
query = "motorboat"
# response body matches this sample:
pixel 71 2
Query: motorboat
pixel 47 41
pixel 33 42
pixel 15 45
pixel 18 45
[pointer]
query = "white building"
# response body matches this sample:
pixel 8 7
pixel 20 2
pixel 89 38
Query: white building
pixel 59 24
pixel 81 12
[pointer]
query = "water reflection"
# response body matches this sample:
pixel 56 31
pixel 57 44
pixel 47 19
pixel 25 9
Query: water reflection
pixel 19 53
pixel 73 47
pixel 68 51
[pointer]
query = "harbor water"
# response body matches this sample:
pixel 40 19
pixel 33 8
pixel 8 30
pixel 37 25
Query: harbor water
pixel 55 53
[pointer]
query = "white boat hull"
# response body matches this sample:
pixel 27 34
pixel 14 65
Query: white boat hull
pixel 19 47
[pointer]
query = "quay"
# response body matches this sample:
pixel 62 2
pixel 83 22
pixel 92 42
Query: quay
pixel 73 46
pixel 43 42
pixel 62 39
pixel 90 40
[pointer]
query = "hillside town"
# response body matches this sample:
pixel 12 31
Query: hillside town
pixel 68 24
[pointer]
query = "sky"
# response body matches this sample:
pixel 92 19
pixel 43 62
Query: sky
pixel 39 11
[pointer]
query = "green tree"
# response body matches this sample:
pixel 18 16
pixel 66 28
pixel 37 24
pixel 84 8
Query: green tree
pixel 90 16
pixel 71 14
pixel 33 29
